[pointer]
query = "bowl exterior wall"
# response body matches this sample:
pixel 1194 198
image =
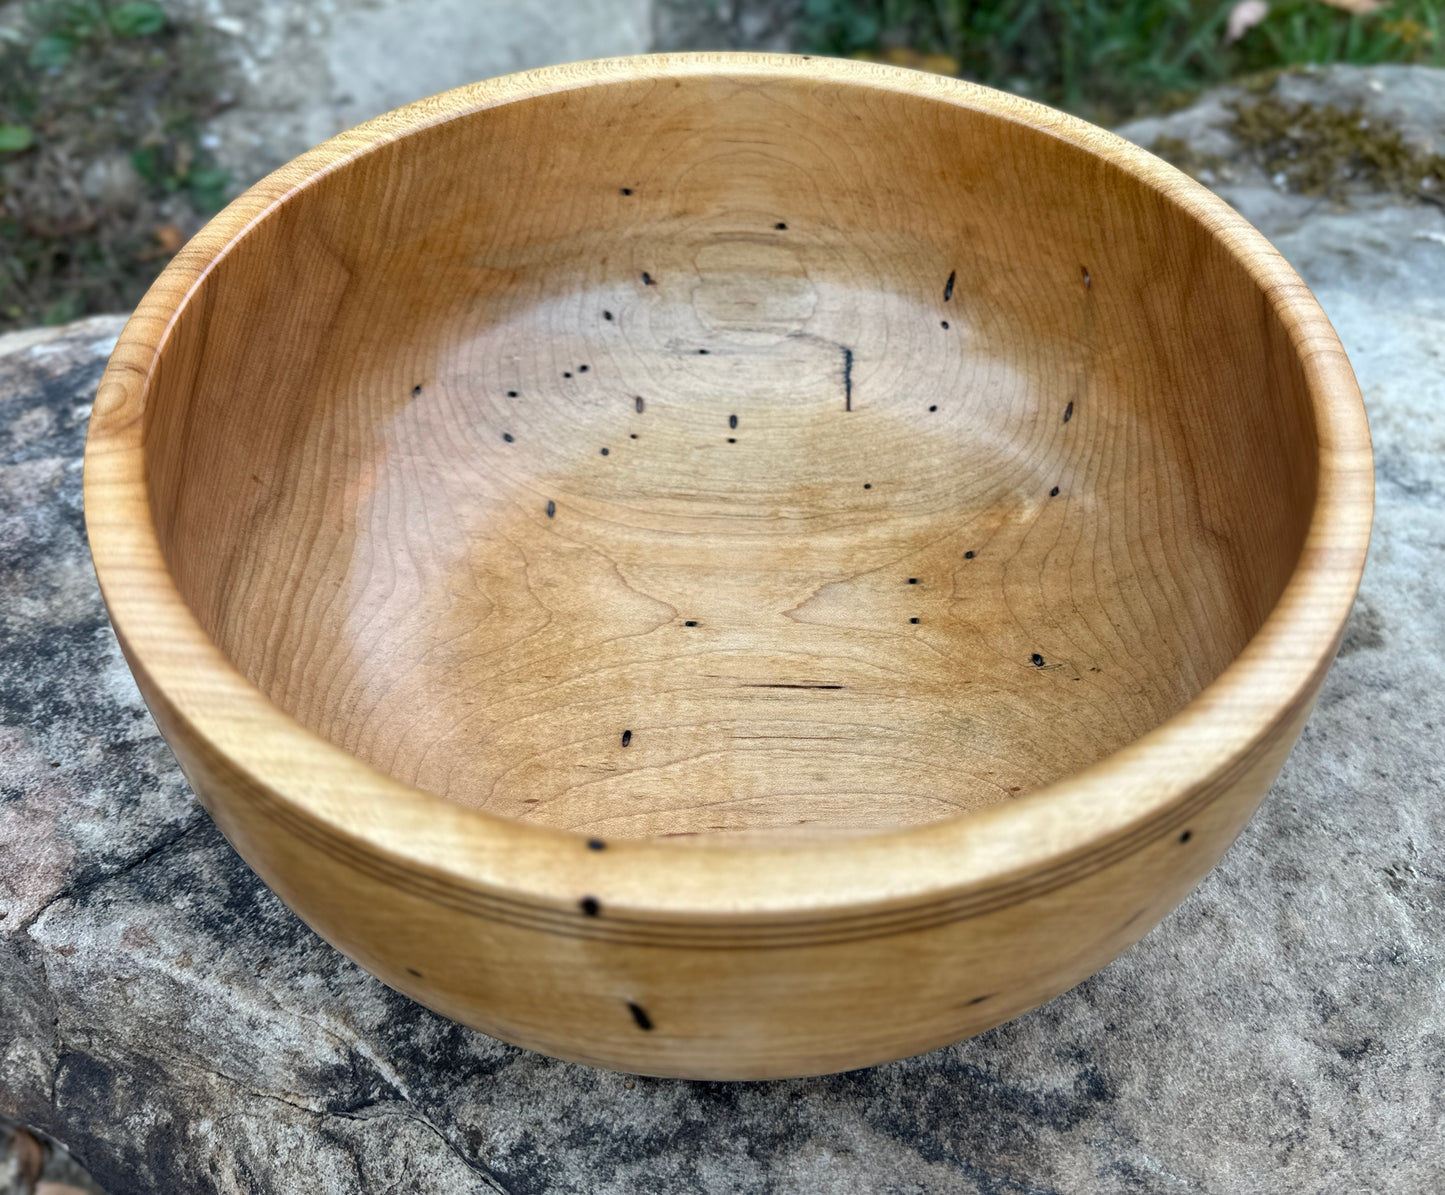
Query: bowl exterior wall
pixel 687 1002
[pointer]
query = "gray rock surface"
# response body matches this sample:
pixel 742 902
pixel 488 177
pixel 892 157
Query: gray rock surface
pixel 300 71
pixel 166 1017
pixel 725 24
pixel 304 70
pixel 1409 100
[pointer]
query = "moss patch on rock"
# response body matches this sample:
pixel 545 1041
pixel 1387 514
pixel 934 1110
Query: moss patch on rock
pixel 1328 151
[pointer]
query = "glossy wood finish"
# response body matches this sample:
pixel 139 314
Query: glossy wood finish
pixel 729 565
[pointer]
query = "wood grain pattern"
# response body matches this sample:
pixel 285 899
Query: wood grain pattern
pixel 592 530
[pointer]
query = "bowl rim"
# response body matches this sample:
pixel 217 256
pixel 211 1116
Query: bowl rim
pixel 786 891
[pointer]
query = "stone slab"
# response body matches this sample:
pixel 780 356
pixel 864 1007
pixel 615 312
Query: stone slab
pixel 167 1018
pixel 301 71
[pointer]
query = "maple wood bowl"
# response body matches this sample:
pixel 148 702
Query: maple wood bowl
pixel 729 566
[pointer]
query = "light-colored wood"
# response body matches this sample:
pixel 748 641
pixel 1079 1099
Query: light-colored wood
pixel 727 565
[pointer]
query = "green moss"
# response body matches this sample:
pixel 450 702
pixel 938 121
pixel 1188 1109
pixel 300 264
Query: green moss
pixel 1179 152
pixel 1324 150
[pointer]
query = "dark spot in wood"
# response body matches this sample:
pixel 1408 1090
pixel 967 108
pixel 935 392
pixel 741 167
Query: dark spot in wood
pixel 507 436
pixel 788 685
pixel 627 738
pixel 732 439
pixel 914 621
pixel 943 324
pixel 1069 411
pixel 981 999
pixel 867 485
pixel 691 622
pixel 1054 493
pixel 638 403
pixel 582 369
pixel 596 844
pixel 639 1015
pixel 627 190
pixel 1088 282
pixel 413 971
pixel 948 286
pixel 732 421
pixel 968 555
pixel 633 436
pixel 607 315
pixel 590 906
pixel 1186 836
pixel 780 226
pixel 255 478
pixel 1036 660
pixel 416 392
pixel 551 508
pixel 934 407
pixel 702 352
pixel 1014 789
pixel 847 379
pixel 913 580
pixel 605 451
pixel 511 394
pixel 647 279
pixel 566 375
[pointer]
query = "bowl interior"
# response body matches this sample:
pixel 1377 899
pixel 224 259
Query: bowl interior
pixel 730 455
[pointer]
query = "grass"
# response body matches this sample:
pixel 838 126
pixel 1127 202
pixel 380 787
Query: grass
pixel 1110 60
pixel 103 174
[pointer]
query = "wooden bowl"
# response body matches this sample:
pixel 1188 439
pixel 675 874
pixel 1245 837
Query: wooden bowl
pixel 727 565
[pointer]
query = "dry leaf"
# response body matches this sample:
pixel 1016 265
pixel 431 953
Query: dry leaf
pixel 937 64
pixel 1360 8
pixel 1243 17
pixel 169 237
pixel 29 1157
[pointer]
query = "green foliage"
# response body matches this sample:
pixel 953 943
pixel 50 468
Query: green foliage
pixel 137 18
pixel 64 26
pixel 1113 57
pixel 91 90
pixel 52 51
pixel 14 138
pixel 207 189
